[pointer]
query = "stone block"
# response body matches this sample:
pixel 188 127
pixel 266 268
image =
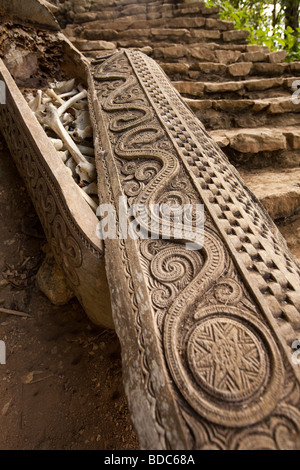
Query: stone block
pixel 240 69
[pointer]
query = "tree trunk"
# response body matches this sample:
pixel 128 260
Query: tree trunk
pixel 274 15
pixel 291 11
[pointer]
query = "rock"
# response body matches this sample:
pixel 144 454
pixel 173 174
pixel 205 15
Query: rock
pixel 172 52
pixel 279 191
pixel 263 84
pixel 205 34
pixel 232 105
pixel 235 35
pixel 254 56
pixel 294 67
pixel 288 82
pixel 102 4
pixel 293 139
pixel 153 16
pixel 231 47
pixel 210 68
pixel 260 105
pixel 86 17
pixel 283 105
pixel 120 25
pixel 221 25
pixel 256 48
pixel 84 45
pixel 168 32
pixel 134 33
pixel 221 140
pixel 275 57
pixel 133 10
pixel 148 50
pixel 256 140
pixel 190 88
pixel 240 69
pixel 228 57
pixel 96 34
pixel 269 69
pixel 210 10
pixel 222 87
pixel 135 43
pixel 51 281
pixel 175 68
pixel 187 22
pixel 202 53
pixel 199 105
pixel 193 10
pixel 6 408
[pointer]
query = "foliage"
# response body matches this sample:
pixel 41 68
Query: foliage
pixel 266 22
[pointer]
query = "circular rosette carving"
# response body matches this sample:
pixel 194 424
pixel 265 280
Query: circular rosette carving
pixel 227 366
pixel 227 359
pixel 67 249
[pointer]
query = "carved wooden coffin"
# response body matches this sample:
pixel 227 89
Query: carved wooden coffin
pixel 69 223
pixel 206 334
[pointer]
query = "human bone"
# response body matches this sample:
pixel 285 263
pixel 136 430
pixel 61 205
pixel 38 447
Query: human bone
pixel 69 120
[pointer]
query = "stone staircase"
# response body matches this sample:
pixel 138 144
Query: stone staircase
pixel 242 93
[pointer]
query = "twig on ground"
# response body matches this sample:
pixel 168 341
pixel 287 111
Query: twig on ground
pixel 14 312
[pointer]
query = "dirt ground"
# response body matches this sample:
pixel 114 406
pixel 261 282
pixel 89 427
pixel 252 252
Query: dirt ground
pixel 61 387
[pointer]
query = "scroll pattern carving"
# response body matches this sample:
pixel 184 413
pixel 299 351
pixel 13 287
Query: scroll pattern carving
pixel 217 329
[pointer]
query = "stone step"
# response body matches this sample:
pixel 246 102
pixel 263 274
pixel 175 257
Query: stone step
pixel 86 46
pixel 167 50
pixel 106 46
pixel 278 190
pixel 218 53
pixel 188 36
pixel 259 139
pixel 183 70
pixel 126 23
pixel 240 113
pixel 210 52
pixel 216 72
pixel 154 9
pixel 197 8
pixel 155 35
pixel 251 89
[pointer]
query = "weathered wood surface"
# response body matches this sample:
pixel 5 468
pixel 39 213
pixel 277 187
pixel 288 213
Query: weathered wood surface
pixel 68 222
pixel 206 334
pixel 37 12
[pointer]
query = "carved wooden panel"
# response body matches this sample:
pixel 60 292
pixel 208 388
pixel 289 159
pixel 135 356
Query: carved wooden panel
pixel 206 334
pixel 68 222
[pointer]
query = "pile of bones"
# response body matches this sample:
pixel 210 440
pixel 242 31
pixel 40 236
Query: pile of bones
pixel 63 112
